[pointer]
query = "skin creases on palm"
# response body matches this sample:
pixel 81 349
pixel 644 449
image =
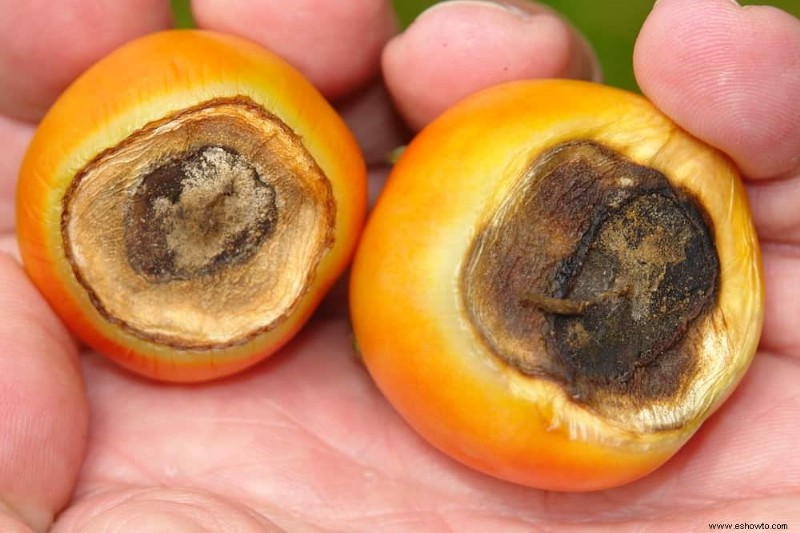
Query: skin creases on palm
pixel 307 439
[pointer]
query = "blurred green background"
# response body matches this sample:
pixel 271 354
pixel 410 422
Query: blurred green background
pixel 610 25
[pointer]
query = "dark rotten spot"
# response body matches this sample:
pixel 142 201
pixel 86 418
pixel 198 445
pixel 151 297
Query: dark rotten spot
pixel 591 273
pixel 197 213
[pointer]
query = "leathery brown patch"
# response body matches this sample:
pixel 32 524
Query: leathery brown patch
pixel 591 273
pixel 201 230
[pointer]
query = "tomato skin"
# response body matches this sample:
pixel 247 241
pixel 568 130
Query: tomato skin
pixel 408 316
pixel 136 85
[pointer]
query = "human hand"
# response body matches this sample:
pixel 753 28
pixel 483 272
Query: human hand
pixel 304 441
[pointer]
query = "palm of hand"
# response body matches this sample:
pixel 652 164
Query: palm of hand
pixel 306 439
pixel 306 442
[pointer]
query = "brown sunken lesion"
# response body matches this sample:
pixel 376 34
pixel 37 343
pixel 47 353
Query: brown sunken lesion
pixel 592 274
pixel 197 213
pixel 201 230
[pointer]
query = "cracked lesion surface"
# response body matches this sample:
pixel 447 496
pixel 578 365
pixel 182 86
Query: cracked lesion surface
pixel 592 273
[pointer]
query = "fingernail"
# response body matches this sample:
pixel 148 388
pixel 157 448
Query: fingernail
pixel 509 6
pixel 734 2
pixel 515 8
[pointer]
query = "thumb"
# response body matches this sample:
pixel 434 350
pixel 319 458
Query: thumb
pixel 43 411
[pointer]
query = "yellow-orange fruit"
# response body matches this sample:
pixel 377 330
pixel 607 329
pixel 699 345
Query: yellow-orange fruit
pixel 187 202
pixel 558 285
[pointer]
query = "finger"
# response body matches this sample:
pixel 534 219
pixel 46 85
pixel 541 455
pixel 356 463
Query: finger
pixel 456 48
pixel 781 271
pixel 44 45
pixel 376 124
pixel 335 44
pixel 43 418
pixel 728 74
pixel 14 137
pixel 774 206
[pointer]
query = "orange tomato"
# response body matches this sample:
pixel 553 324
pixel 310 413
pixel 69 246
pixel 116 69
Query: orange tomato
pixel 177 100
pixel 420 342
